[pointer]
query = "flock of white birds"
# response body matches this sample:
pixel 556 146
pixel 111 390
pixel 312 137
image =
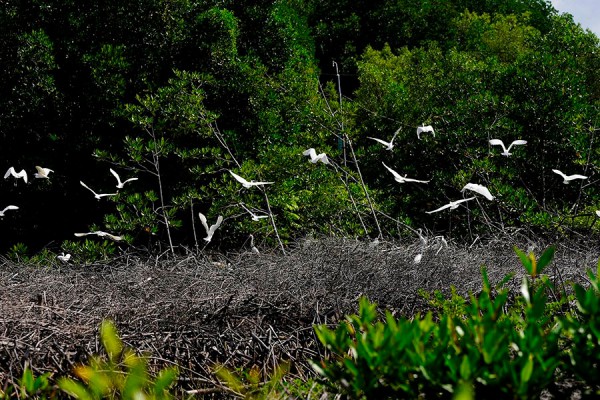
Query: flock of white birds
pixel 43 173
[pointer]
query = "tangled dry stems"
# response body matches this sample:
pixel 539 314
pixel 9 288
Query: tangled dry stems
pixel 248 309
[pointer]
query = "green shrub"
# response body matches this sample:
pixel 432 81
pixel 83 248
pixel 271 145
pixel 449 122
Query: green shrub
pixel 485 346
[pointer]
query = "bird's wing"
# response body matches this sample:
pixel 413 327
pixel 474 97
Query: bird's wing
pixel 129 180
pixel 517 143
pixel 312 153
pixel 40 170
pixel 83 234
pixel 106 194
pixel 112 171
pixel 559 173
pixel 463 200
pixel 324 158
pixel 498 142
pixel 396 175
pixel 88 188
pixel 482 190
pixel 216 225
pixel 439 209
pixel 22 174
pixel 414 180
pixel 395 134
pixel 10 171
pixel 203 220
pixel 577 176
pixel 260 183
pixel 383 142
pixel 10 208
pixel 238 178
pixel 113 237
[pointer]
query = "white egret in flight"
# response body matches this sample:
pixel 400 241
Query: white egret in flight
pixel 452 205
pixel 568 178
pixel 42 173
pixel 101 234
pixel 388 145
pixel 424 129
pixel 96 195
pixel 506 151
pixel 402 179
pixel 119 183
pixel 6 209
pixel 314 157
pixel 247 184
pixel 210 231
pixel 255 217
pixel 15 174
pixel 482 190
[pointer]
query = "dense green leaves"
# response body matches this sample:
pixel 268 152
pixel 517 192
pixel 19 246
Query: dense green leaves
pixel 178 92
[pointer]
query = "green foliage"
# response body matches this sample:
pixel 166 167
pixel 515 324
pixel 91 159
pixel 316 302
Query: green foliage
pixel 481 348
pixel 251 384
pixel 30 387
pixel 121 374
pixel 583 332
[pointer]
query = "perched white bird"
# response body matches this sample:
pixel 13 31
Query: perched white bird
pixel 402 179
pixel 418 258
pixel 255 217
pixel 314 157
pixel 42 173
pixel 506 152
pixel 424 129
pixel 569 177
pixel 119 183
pixel 15 174
pixel 388 145
pixel 452 205
pixel 252 246
pixel 482 190
pixel 598 213
pixel 247 184
pixel 210 231
pixel 64 257
pixel 6 209
pixel 101 234
pixel 96 195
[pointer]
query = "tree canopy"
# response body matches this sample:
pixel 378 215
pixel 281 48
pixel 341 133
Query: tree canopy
pixel 178 92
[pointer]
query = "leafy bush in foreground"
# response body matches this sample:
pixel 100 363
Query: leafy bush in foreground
pixel 484 348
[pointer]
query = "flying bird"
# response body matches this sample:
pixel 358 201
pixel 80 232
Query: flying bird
pixel 402 179
pixel 452 205
pixel 506 152
pixel 15 174
pixel 119 183
pixel 96 195
pixel 64 257
pixel 101 234
pixel 569 177
pixel 6 209
pixel 210 231
pixel 314 157
pixel 247 184
pixel 424 129
pixel 42 173
pixel 482 190
pixel 388 145
pixel 255 217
